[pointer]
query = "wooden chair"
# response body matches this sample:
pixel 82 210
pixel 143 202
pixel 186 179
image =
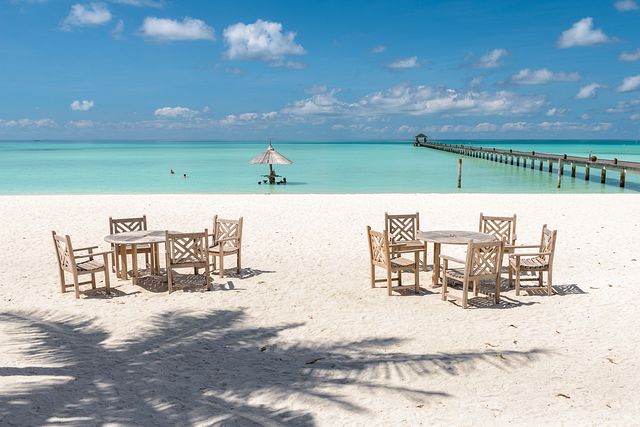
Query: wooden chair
pixel 227 240
pixel 122 225
pixel 502 227
pixel 380 256
pixel 186 250
pixel 403 231
pixel 76 263
pixel 539 262
pixel 484 261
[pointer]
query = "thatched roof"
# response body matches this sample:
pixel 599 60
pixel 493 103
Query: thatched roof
pixel 421 135
pixel 271 157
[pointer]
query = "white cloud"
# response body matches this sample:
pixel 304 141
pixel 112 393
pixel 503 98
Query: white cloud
pixel 261 41
pixel 554 112
pixel 175 113
pixel 623 106
pixel 635 116
pixel 406 129
pixel 485 127
pixel 205 109
pixel 582 33
pixel 141 3
pixel 28 123
pixel 585 116
pixel 632 56
pixel 629 84
pixel 81 124
pixel 411 62
pixel 316 89
pixel 378 49
pixel 247 118
pixel 85 105
pixel 161 29
pixel 556 126
pixel 117 31
pixel 491 59
pixel 475 82
pixel 588 91
pixel 541 76
pixel 516 126
pixel 92 14
pixel 626 5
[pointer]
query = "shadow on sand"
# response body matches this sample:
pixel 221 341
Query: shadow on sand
pixel 209 369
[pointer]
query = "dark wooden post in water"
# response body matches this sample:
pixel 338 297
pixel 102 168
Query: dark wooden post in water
pixel 573 169
pixel 550 166
pixel 587 169
pixel 541 164
pixel 459 173
pixel 623 174
pixel 533 164
pixel 560 167
pixel 524 162
pixel 517 161
pixel 603 175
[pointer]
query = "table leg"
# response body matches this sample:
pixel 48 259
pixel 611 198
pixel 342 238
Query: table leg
pixel 116 260
pixel 123 254
pixel 436 265
pixel 134 263
pixel 157 260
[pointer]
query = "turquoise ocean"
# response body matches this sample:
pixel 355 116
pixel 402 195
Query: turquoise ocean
pixel 117 167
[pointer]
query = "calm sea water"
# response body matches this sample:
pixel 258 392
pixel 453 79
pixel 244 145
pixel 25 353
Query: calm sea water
pixel 75 167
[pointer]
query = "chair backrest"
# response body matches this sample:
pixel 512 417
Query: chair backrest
pixel 484 259
pixel 502 227
pixel 227 229
pixel 64 252
pixel 122 225
pixel 187 247
pixel 548 243
pixel 402 227
pixel 378 247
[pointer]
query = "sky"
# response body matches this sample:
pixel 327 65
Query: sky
pixel 319 70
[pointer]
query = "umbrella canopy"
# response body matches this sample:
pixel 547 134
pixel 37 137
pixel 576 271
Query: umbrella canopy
pixel 271 157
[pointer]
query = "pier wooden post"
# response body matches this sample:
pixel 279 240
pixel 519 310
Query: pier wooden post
pixel 623 174
pixel 573 169
pixel 459 173
pixel 511 160
pixel 550 166
pixel 533 164
pixel 603 175
pixel 587 169
pixel 541 164
pixel 524 162
pixel 560 167
pixel 517 161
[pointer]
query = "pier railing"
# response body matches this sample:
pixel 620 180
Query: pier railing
pixel 521 158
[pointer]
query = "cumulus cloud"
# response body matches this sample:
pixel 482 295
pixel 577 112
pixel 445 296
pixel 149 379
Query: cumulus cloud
pixel 84 105
pixel 175 113
pixel 141 3
pixel 626 5
pixel 161 29
pixel 81 124
pixel 261 41
pixel 623 106
pixel 378 49
pixel 485 127
pixel 117 31
pixel 588 91
pixel 411 62
pixel 491 59
pixel 247 118
pixel 92 14
pixel 541 76
pixel 629 84
pixel 406 129
pixel 582 33
pixel 28 123
pixel 632 56
pixel 553 112
pixel 556 126
pixel 635 116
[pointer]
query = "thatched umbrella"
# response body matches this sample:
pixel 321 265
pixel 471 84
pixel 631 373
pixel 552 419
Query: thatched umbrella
pixel 271 157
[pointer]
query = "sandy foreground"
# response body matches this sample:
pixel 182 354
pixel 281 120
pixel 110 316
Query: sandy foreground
pixel 300 338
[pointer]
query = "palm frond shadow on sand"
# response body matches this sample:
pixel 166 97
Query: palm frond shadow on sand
pixel 198 369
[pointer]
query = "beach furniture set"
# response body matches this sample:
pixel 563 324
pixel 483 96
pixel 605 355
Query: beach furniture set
pixel 399 247
pixel 130 238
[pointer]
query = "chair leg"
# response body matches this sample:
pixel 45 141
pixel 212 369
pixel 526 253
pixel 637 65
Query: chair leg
pixel 510 282
pixel 76 285
pixel 93 281
pixel 63 286
pixel 389 282
pixel 107 284
pixel 238 256
pixel 373 276
pixel 416 272
pixel 549 284
pixel 517 272
pixel 213 261
pixel 195 270
pixel 444 284
pixel 540 279
pixel 169 279
pixel 399 277
pixel 424 258
pixel 207 272
pixel 475 288
pixel 465 291
pixel 221 265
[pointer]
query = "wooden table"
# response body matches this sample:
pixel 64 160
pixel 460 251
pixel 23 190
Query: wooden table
pixel 134 238
pixel 449 237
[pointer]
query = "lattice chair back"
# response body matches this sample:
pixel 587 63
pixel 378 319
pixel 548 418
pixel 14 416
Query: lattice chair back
pixel 502 227
pixel 183 248
pixel 378 247
pixel 64 252
pixel 484 260
pixel 229 231
pixel 402 227
pixel 548 243
pixel 123 225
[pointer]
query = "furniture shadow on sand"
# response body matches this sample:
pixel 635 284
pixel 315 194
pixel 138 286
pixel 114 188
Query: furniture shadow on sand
pixel 181 282
pixel 559 290
pixel 211 363
pixel 102 294
pixel 245 273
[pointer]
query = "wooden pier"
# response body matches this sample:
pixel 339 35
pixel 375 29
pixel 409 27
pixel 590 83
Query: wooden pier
pixel 521 158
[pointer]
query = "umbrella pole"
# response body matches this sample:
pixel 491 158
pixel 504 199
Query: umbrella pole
pixel 272 178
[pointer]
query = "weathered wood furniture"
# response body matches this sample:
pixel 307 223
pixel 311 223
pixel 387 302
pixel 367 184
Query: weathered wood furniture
pixel 76 263
pixel 483 262
pixel 380 256
pixel 227 240
pixel 133 240
pixel 120 251
pixel 187 250
pixel 449 237
pixel 502 227
pixel 403 229
pixel 534 262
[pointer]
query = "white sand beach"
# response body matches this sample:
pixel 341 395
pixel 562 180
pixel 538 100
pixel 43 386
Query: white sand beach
pixel 300 338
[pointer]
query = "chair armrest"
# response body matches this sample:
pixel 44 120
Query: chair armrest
pixel 88 248
pixel 525 246
pixel 228 239
pixel 529 254
pixel 92 255
pixel 450 258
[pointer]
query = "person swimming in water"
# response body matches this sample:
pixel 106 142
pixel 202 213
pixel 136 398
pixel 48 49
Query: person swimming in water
pixel 184 175
pixel 171 172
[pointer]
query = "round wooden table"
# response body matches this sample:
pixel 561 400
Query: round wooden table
pixel 133 239
pixel 449 237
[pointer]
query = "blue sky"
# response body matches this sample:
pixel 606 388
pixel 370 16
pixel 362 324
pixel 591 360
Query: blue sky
pixel 319 70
